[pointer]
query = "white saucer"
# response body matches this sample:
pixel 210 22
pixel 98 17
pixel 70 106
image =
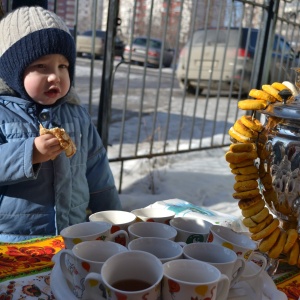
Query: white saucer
pixel 60 287
pixel 260 288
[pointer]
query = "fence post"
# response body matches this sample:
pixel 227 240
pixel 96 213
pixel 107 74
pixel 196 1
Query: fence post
pixel 104 111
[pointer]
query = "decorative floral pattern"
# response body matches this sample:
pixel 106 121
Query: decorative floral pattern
pixel 28 257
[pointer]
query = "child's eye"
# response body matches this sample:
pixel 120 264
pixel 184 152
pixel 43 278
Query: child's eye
pixel 40 66
pixel 64 66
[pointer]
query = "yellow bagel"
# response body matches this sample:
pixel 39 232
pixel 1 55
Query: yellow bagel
pixel 236 158
pixel 246 195
pixel 244 170
pixel 261 215
pixel 260 226
pixel 259 94
pixel 266 231
pixel 245 163
pixel 276 249
pixel 254 209
pixel 293 254
pixel 272 91
pixel 240 147
pixel 247 203
pixel 252 176
pixel 242 186
pixel 267 243
pixel 252 123
pixel 292 237
pixel 239 137
pixel 250 104
pixel 244 130
pixel 279 86
pixel 248 222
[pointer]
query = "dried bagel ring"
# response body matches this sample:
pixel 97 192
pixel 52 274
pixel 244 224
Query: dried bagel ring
pixel 260 226
pixel 279 86
pixel 240 147
pixel 292 237
pixel 244 130
pixel 272 91
pixel 244 170
pixel 254 209
pixel 242 186
pixel 266 231
pixel 252 123
pixel 252 176
pixel 261 215
pixel 250 104
pixel 246 195
pixel 239 137
pixel 236 158
pixel 275 251
pixel 245 163
pixel 262 95
pixel 293 254
pixel 267 243
pixel 250 202
pixel 248 222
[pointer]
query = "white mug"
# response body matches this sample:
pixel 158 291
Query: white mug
pixel 241 244
pixel 119 219
pixel 89 231
pixel 224 259
pixel 149 229
pixel 84 258
pixel 165 250
pixel 153 214
pixel 191 230
pixel 132 275
pixel 193 279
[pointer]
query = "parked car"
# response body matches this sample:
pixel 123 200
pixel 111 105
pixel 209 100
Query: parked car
pixel 139 54
pixel 223 56
pixel 84 44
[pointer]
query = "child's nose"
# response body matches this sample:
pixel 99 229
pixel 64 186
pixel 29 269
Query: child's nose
pixel 53 77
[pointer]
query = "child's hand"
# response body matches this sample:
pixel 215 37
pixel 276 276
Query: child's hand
pixel 45 147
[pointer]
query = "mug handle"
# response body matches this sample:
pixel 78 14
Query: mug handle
pixel 223 287
pixel 259 257
pixel 238 271
pixel 92 282
pixel 62 263
pixel 113 237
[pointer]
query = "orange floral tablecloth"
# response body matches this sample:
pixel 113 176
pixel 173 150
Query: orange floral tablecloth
pixel 25 268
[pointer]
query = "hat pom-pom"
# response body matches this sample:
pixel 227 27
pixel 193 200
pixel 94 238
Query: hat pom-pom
pixel 19 3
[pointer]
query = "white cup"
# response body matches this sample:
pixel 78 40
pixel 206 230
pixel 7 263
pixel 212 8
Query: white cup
pixel 119 219
pixel 241 244
pixel 84 258
pixel 149 229
pixel 132 275
pixel 224 259
pixel 152 214
pixel 165 250
pixel 190 230
pixel 89 231
pixel 193 279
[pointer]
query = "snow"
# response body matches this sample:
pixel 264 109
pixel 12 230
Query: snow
pixel 202 178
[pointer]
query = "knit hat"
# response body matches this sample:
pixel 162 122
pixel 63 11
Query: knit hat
pixel 26 34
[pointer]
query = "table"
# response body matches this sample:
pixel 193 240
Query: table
pixel 25 267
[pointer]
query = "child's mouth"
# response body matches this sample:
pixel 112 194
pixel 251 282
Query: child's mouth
pixel 52 92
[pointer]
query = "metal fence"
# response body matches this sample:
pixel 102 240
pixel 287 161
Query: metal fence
pixel 144 112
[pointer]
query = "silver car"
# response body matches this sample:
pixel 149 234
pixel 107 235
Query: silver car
pixel 225 58
pixel 137 52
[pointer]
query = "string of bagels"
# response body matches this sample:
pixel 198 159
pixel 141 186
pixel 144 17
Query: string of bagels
pixel 249 161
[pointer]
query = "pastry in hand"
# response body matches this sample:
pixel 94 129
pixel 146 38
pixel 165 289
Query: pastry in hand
pixel 64 139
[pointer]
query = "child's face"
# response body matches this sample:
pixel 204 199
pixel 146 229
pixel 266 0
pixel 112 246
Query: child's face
pixel 47 79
